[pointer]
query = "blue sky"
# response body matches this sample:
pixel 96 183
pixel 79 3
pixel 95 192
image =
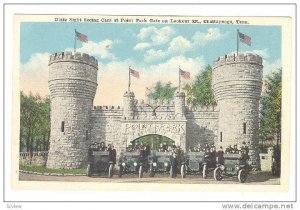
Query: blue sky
pixel 155 50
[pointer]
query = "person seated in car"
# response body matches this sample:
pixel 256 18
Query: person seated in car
pixel 213 151
pixel 173 145
pixel 102 146
pixel 235 149
pixel 206 146
pixel 195 149
pixel 108 147
pixel 229 149
pixel 165 147
pixel 161 149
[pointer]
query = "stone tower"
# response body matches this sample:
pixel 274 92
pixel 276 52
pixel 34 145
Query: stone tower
pixel 128 105
pixel 72 84
pixel 179 103
pixel 237 85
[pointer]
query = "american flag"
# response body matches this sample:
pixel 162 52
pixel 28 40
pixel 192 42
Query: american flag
pixel 245 39
pixel 81 37
pixel 134 73
pixel 185 74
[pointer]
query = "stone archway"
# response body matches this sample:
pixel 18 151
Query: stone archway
pixel 134 129
pixel 154 140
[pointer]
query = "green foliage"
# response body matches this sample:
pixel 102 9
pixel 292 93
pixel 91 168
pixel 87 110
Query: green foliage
pixel 270 114
pixel 34 122
pixel 200 92
pixel 162 91
pixel 154 140
pixel 43 169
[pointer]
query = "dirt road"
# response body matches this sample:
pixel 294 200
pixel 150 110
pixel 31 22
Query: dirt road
pixel 253 179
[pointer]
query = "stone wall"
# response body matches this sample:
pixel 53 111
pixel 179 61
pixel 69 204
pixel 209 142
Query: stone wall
pixel 106 126
pixel 202 125
pixel 37 159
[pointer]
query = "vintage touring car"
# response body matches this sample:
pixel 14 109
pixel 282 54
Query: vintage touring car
pixel 192 164
pixel 234 166
pixel 133 163
pixel 100 164
pixel 162 163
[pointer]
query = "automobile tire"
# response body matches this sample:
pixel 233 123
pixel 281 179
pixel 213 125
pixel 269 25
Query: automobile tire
pixel 151 170
pixel 183 171
pixel 242 175
pixel 111 171
pixel 218 174
pixel 141 172
pixel 171 171
pixel 88 170
pixel 120 172
pixel 204 171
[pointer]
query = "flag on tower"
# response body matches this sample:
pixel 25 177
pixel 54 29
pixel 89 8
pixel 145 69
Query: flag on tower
pixel 134 73
pixel 185 74
pixel 244 38
pixel 81 37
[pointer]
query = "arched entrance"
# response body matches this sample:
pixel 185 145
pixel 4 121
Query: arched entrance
pixel 153 140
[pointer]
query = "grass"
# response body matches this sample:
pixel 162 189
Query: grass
pixel 43 169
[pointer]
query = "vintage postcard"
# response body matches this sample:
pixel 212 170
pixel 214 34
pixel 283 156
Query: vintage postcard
pixel 152 103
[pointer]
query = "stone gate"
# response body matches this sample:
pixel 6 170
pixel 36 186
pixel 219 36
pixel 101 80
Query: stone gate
pixel 75 124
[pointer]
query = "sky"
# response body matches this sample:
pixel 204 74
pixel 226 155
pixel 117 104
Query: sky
pixel 154 50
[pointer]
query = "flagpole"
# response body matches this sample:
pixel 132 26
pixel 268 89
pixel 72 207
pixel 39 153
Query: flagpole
pixel 129 79
pixel 237 42
pixel 75 41
pixel 179 81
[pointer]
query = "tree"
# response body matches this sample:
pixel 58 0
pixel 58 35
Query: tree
pixel 34 122
pixel 270 112
pixel 162 92
pixel 200 92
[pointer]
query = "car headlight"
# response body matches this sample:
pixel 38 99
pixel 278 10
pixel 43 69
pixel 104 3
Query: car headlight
pixel 135 163
pixel 154 164
pixel 222 167
pixel 123 164
pixel 166 164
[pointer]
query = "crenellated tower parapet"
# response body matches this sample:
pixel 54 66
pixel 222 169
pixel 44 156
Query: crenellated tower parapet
pixel 69 56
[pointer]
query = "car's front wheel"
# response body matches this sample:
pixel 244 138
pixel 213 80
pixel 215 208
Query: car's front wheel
pixel 183 171
pixel 141 172
pixel 204 171
pixel 89 170
pixel 111 171
pixel 151 170
pixel 242 175
pixel 120 171
pixel 218 174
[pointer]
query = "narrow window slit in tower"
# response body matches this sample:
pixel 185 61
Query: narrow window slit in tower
pixel 244 128
pixel 86 134
pixel 62 126
pixel 221 137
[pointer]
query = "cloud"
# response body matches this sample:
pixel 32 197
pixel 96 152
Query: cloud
pixel 141 46
pixel 153 36
pixel 34 74
pixel 180 45
pixel 212 34
pixel 269 68
pixel 113 77
pixel 177 46
pixel 97 49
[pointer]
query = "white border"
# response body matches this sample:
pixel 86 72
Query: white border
pixel 184 10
